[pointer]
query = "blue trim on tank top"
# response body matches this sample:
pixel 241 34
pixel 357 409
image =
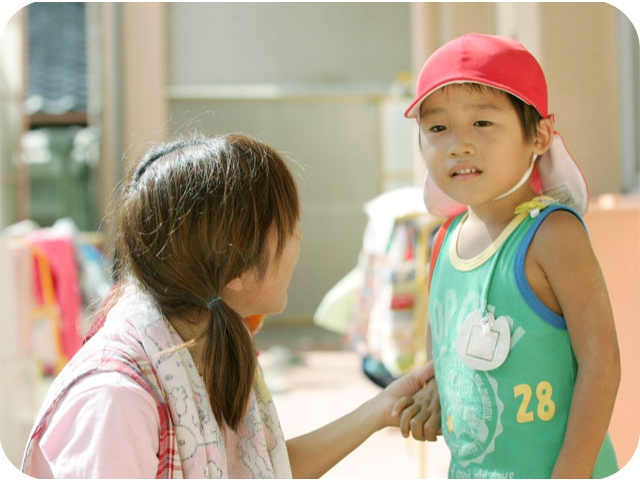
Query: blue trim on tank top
pixel 527 293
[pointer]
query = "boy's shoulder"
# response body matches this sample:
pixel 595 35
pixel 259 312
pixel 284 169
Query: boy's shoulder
pixel 560 223
pixel 560 234
pixel 548 217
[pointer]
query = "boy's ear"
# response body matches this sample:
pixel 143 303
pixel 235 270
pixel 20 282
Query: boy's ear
pixel 544 136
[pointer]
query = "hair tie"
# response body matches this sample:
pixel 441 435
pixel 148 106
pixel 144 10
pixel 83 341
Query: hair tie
pixel 213 301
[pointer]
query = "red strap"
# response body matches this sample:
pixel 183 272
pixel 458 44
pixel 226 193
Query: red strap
pixel 437 243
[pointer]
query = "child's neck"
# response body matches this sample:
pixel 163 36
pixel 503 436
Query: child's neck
pixel 496 214
pixel 486 222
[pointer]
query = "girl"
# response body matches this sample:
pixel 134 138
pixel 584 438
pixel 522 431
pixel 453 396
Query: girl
pixel 169 386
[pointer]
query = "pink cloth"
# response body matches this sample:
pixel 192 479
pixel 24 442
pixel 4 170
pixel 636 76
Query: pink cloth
pixel 126 418
pixel 128 422
pixel 60 251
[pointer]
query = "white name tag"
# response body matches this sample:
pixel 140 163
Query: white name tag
pixel 483 342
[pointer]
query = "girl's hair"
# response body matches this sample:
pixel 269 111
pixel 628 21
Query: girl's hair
pixel 196 215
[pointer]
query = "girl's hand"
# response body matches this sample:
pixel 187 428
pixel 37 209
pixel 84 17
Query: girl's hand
pixel 313 454
pixel 398 396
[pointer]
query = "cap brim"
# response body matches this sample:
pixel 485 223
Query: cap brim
pixel 412 111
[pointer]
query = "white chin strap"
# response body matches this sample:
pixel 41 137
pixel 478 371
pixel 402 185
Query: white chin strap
pixel 524 178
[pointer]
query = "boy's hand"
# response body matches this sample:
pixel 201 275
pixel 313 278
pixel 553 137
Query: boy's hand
pixel 390 402
pixel 421 413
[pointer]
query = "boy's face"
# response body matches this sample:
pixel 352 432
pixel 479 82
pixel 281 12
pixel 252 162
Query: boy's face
pixel 473 143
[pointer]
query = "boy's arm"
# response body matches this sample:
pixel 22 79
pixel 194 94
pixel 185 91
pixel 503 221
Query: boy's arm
pixel 562 249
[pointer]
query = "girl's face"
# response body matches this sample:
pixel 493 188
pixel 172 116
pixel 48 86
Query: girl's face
pixel 473 143
pixel 252 295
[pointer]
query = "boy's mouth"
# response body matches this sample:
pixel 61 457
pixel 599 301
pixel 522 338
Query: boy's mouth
pixel 464 171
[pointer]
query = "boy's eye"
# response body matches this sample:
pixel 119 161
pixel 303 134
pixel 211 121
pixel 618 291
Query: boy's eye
pixel 482 123
pixel 437 128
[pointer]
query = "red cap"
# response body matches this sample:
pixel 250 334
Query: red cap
pixel 491 60
pixel 505 64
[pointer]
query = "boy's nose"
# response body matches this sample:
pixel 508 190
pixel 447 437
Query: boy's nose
pixel 460 145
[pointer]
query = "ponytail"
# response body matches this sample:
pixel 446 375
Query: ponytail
pixel 230 370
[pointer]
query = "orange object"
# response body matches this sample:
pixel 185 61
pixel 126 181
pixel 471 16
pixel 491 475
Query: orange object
pixel 254 322
pixel 48 312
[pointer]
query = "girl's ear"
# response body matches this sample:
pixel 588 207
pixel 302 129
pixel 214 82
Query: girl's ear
pixel 544 136
pixel 235 284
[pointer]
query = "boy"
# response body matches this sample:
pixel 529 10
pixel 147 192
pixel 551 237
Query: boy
pixel 524 342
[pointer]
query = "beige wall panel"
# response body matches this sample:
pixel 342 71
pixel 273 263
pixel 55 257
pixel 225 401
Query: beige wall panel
pixel 458 18
pixel 424 33
pixel 606 220
pixel 145 110
pixel 581 70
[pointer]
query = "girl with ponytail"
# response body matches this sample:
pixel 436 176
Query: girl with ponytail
pixel 169 386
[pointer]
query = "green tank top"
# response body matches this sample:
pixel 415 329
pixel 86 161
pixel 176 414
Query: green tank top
pixel 508 421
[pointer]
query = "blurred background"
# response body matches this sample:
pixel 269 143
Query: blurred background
pixel 85 88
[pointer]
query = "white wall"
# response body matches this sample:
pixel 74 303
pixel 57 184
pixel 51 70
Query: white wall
pixel 288 42
pixel 310 79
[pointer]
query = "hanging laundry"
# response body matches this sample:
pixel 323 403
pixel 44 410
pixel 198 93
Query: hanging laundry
pixel 381 305
pixel 58 248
